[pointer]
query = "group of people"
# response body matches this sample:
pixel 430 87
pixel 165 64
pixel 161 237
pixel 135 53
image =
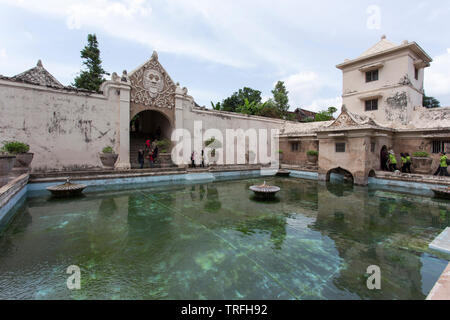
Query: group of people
pixel 389 163
pixel 202 165
pixel 150 152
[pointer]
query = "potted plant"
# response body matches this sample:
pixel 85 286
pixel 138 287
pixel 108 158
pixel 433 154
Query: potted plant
pixel 164 156
pixel 7 161
pixel 421 162
pixel 20 150
pixel 108 157
pixel 312 156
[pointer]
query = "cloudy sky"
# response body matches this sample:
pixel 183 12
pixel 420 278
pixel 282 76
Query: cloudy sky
pixel 214 47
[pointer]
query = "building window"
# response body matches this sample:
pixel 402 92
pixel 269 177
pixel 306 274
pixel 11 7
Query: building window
pixel 372 147
pixel 340 147
pixel 294 147
pixel 439 146
pixel 372 105
pixel 371 75
pixel 416 73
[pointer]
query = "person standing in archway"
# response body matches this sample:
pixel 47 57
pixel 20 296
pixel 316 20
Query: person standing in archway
pixel 141 158
pixel 392 161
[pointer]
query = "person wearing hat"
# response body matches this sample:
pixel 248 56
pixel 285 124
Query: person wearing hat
pixel 392 161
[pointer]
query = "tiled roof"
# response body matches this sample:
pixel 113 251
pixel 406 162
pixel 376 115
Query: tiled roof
pixel 37 76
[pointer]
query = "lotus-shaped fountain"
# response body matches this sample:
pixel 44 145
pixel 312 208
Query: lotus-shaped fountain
pixel 265 191
pixel 67 189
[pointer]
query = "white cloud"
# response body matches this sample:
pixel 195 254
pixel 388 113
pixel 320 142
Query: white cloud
pixel 437 77
pixel 305 91
pixel 324 104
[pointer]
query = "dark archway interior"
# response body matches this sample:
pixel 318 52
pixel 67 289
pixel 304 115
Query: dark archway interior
pixel 340 175
pixel 150 124
pixel 384 158
pixel 147 125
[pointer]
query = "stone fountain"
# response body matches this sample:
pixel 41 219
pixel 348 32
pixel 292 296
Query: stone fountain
pixel 265 191
pixel 68 189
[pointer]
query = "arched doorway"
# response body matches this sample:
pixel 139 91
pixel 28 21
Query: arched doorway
pixel 384 158
pixel 339 174
pixel 147 125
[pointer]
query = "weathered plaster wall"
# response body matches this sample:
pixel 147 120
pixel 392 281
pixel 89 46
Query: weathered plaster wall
pixel 65 130
pixel 304 145
pixel 397 89
pixel 187 115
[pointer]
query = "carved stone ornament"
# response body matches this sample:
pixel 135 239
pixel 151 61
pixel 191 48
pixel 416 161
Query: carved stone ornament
pixel 152 86
pixel 344 120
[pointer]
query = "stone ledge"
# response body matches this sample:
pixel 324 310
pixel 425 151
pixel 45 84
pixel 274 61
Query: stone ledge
pixel 421 178
pixel 442 242
pixel 12 188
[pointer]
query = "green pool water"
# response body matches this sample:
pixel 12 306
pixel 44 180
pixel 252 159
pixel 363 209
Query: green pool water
pixel 214 241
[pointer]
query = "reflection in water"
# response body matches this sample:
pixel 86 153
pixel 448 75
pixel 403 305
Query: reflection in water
pixel 212 241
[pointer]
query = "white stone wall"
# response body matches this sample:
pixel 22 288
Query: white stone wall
pixel 390 90
pixel 216 123
pixel 65 130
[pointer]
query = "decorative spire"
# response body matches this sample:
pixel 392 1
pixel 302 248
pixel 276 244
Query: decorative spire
pixel 383 37
pixel 39 64
pixel 155 55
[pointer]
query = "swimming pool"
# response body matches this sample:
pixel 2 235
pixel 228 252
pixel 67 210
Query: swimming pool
pixel 215 241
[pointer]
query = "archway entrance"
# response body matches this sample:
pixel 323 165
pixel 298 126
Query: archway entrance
pixel 147 125
pixel 384 158
pixel 340 175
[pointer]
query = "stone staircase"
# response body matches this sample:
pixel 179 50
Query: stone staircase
pixel 138 142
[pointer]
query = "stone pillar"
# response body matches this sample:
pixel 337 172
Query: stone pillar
pixel 123 162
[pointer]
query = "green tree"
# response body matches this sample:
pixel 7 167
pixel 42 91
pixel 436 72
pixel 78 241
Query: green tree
pixel 280 97
pixel 237 99
pixel 430 102
pixel 216 106
pixel 92 77
pixel 325 115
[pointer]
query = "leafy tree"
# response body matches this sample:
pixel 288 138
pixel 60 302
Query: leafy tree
pixel 237 99
pixel 280 96
pixel 216 106
pixel 325 115
pixel 92 77
pixel 430 102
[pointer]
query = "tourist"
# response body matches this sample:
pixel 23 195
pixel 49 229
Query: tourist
pixel 392 161
pixel 408 163
pixel 193 159
pixel 150 158
pixel 443 165
pixel 403 158
pixel 148 144
pixel 141 158
pixel 155 153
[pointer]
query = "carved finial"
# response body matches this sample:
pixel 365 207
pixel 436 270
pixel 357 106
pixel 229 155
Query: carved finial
pixel 344 108
pixel 405 42
pixel 124 76
pixel 114 76
pixel 39 64
pixel 155 55
pixel 383 37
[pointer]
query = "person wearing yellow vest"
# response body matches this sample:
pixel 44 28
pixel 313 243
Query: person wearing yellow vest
pixel 443 165
pixel 392 161
pixel 408 163
pixel 403 157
